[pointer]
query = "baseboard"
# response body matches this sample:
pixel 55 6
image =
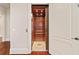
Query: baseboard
pixel 19 51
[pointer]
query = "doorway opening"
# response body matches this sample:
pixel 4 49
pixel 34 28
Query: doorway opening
pixel 40 29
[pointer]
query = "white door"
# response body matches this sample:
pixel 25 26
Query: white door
pixel 20 22
pixel 61 29
pixel 75 26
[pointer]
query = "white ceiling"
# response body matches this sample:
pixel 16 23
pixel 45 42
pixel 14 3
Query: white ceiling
pixel 5 5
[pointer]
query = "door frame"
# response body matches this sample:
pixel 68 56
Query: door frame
pixel 30 26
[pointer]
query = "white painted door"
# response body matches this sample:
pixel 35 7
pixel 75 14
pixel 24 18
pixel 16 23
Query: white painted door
pixel 62 28
pixel 19 22
pixel 75 26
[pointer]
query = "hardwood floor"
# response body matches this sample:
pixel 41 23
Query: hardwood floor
pixel 35 53
pixel 4 48
pixel 39 53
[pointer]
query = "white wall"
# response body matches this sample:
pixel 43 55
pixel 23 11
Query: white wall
pixel 20 42
pixel 2 22
pixel 7 24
